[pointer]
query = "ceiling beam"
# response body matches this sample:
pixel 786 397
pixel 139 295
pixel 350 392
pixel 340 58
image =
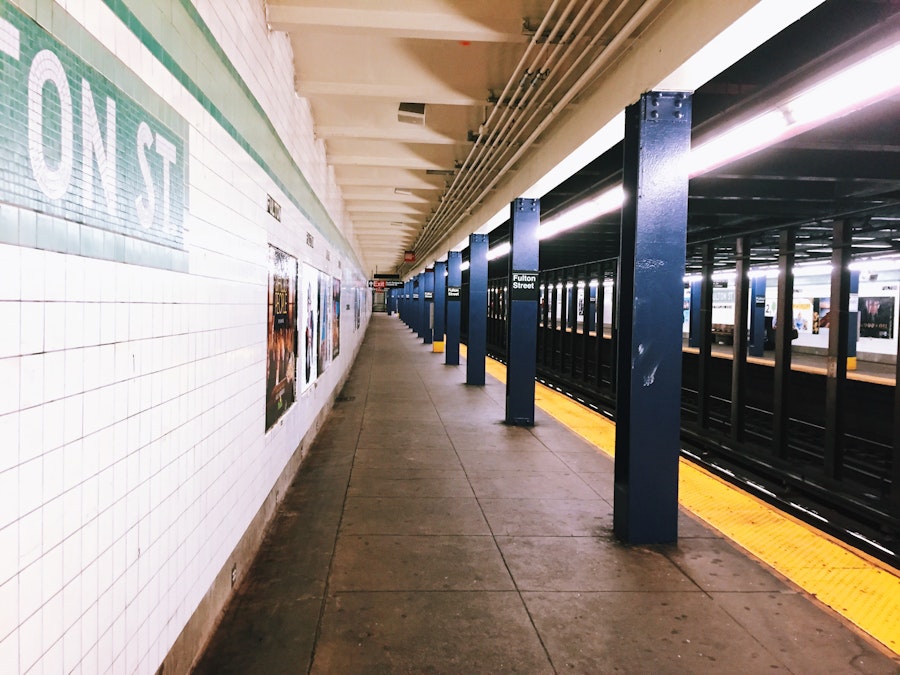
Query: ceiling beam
pixel 422 19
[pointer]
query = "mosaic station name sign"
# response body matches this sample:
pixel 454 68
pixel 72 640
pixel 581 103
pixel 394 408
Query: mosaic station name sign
pixel 76 146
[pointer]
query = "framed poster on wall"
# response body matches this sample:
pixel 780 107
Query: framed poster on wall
pixel 323 353
pixel 876 317
pixel 281 352
pixel 335 317
pixel 309 318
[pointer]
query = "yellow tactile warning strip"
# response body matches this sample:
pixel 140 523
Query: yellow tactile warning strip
pixel 860 589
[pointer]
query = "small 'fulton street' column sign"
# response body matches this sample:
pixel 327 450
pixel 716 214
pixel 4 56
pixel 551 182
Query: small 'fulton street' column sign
pixel 524 286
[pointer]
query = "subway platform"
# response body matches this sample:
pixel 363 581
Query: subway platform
pixel 422 535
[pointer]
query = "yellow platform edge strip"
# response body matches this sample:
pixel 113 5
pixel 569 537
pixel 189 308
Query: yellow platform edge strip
pixel 857 587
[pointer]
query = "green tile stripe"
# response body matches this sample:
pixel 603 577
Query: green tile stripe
pixel 177 36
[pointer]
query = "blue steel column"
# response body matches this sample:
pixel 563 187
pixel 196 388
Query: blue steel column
pixel 757 316
pixel 838 338
pixel 695 324
pixel 402 303
pixel 651 293
pixel 522 311
pixel 429 305
pixel 784 322
pixel 739 353
pixel 454 285
pixel 853 329
pixel 478 268
pixel 440 306
pixel 421 308
pixel 413 298
pixel 407 319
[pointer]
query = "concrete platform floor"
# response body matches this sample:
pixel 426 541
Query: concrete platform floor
pixel 422 535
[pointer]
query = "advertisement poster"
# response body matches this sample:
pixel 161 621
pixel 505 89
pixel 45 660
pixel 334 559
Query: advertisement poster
pixel 323 302
pixel 336 318
pixel 282 325
pixel 803 315
pixel 309 292
pixel 876 317
pixel 821 313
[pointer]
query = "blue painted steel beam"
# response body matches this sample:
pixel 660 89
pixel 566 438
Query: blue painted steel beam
pixel 440 305
pixel 739 346
pixel 421 319
pixel 478 270
pixel 695 320
pixel 757 316
pixel 428 306
pixel 454 300
pixel 784 327
pixel 522 311
pixel 651 291
pixel 853 330
pixel 407 319
pixel 838 339
pixel 410 305
pixel 401 303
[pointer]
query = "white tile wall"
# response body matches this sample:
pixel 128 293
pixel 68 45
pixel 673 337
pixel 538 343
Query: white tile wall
pixel 132 446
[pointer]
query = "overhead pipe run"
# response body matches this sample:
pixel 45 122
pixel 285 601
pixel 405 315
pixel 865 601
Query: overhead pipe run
pixel 512 130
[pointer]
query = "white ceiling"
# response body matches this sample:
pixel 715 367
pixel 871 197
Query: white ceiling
pixel 532 80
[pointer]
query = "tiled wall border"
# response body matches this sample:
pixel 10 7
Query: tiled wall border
pixel 181 52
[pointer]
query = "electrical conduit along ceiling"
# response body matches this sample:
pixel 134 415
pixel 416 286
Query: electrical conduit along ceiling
pixel 436 113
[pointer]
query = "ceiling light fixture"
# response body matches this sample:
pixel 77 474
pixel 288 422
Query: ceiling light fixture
pixel 411 113
pixel 606 202
pixel 499 250
pixel 884 264
pixel 869 80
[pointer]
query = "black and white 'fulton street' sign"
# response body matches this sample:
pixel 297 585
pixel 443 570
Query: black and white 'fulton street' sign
pixel 524 286
pixel 453 292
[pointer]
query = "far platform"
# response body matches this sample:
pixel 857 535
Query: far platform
pixel 869 371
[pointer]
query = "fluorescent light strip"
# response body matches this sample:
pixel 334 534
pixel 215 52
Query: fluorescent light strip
pixel 886 264
pixel 499 251
pixel 606 202
pixel 871 79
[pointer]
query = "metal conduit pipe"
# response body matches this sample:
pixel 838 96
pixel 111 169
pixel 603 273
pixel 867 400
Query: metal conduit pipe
pixel 517 74
pixel 571 93
pixel 482 151
pixel 511 136
pixel 593 70
pixel 511 83
pixel 510 86
pixel 452 209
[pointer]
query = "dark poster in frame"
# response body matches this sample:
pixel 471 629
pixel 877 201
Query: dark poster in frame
pixel 281 352
pixel 335 318
pixel 876 317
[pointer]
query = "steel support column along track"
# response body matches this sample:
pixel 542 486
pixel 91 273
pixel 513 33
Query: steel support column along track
pixel 857 499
